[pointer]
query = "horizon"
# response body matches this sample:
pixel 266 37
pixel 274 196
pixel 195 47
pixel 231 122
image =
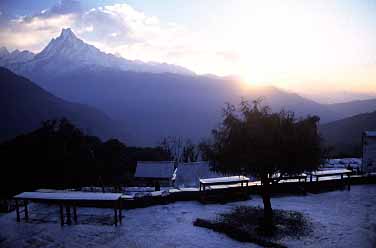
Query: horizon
pixel 304 47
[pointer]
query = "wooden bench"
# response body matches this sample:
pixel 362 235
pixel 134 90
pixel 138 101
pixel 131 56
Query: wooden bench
pixel 69 200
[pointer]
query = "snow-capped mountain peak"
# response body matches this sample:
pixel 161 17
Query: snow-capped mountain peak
pixel 67 33
pixel 68 52
pixel 4 51
pixel 67 45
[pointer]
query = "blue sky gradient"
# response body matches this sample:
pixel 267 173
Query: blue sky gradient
pixel 288 43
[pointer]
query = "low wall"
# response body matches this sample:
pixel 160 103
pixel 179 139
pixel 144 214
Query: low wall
pixel 224 195
pixel 238 194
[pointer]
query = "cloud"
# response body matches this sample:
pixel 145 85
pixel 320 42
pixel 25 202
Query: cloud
pixel 32 33
pixel 123 30
pixel 119 29
pixel 35 31
pixel 66 7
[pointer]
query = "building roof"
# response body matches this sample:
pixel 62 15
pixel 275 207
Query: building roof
pixel 189 174
pixel 370 133
pixel 155 169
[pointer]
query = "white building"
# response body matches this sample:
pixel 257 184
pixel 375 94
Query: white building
pixel 189 174
pixel 155 173
pixel 369 152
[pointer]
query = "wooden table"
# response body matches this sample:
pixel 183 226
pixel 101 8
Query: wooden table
pixel 327 173
pixel 223 181
pixel 68 200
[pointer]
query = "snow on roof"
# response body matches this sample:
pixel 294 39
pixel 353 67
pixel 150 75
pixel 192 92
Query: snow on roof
pixel 370 133
pixel 189 174
pixel 82 196
pixel 155 169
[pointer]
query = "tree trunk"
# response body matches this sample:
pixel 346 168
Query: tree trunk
pixel 268 211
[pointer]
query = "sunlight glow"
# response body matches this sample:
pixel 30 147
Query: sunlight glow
pixel 288 42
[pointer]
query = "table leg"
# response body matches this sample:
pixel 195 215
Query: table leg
pixel 120 214
pixel 75 213
pixel 18 211
pixel 61 214
pixel 342 183
pixel 348 181
pixel 26 211
pixel 69 221
pixel 115 212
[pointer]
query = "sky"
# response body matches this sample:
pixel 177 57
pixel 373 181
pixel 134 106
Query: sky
pixel 306 46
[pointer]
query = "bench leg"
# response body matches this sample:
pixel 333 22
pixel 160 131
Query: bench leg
pixel 18 211
pixel 61 214
pixel 26 211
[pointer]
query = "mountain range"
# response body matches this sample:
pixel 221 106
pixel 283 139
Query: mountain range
pixel 351 108
pixel 154 100
pixel 16 56
pixel 24 106
pixel 67 53
pixel 345 135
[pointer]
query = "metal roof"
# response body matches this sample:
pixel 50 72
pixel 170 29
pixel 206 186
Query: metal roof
pixel 155 169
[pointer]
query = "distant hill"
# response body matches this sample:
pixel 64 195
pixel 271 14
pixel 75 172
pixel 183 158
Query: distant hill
pixel 24 105
pixel 348 109
pixel 346 134
pixel 334 97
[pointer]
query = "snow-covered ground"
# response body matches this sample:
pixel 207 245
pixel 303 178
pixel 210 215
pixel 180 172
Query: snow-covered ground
pixel 341 219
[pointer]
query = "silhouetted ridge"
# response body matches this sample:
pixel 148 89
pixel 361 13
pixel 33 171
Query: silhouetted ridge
pixel 25 105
